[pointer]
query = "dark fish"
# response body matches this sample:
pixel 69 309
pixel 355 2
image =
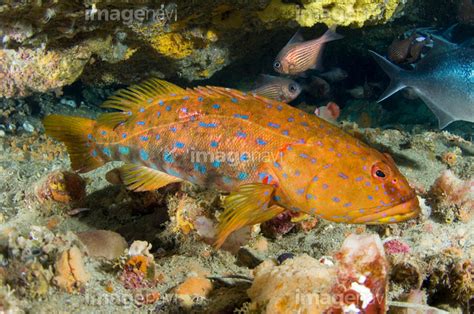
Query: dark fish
pixel 444 79
pixel 298 55
pixel 399 50
pixel 317 87
pixel 334 75
pixel 278 88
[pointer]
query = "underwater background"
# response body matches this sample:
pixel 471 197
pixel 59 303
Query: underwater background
pixel 84 243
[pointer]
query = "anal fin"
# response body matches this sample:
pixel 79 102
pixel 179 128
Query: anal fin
pixel 248 205
pixel 141 178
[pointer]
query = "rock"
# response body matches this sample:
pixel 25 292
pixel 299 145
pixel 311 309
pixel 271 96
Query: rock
pixel 28 127
pixel 103 243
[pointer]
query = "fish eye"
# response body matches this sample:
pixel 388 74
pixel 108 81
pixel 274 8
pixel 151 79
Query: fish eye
pixel 277 64
pixel 293 88
pixel 380 171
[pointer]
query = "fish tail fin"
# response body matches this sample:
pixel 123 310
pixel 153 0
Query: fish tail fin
pixel 74 133
pixel 394 72
pixel 329 35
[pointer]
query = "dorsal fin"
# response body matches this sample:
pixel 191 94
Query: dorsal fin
pixel 296 38
pixel 129 100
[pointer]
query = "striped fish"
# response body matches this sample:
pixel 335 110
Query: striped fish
pixel 299 55
pixel 278 88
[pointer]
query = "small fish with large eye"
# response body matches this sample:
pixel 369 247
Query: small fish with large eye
pixel 278 88
pixel 298 55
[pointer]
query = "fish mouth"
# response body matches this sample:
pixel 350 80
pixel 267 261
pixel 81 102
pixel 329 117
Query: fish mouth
pixel 401 212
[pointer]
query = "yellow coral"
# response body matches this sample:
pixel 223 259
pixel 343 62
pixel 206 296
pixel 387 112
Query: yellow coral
pixel 331 12
pixel 172 45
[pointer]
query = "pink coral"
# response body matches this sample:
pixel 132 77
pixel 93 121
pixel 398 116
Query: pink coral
pixel 395 246
pixel 451 194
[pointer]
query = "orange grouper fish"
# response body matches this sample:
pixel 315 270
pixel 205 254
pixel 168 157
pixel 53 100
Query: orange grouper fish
pixel 282 158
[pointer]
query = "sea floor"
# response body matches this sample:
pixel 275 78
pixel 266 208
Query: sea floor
pixel 439 240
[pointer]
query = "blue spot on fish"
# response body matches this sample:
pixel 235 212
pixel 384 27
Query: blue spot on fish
pixel 358 179
pixel 179 144
pixel 103 132
pixel 141 109
pixel 315 178
pixel 241 116
pixel 107 151
pixel 216 164
pixel 343 176
pixel 186 98
pixel 214 144
pixel 144 138
pixel 141 123
pixel 158 114
pixel 273 125
pixel 94 153
pixel 309 196
pixel 207 125
pixel 261 141
pixel 325 186
pixel 157 136
pixel 124 135
pixel 300 191
pixel 336 199
pixel 199 167
pixel 297 173
pixel 200 98
pixel 173 129
pixel 241 134
pixel 276 198
pixel 276 164
pixel 291 119
pixel 89 136
pixel 144 155
pixel 124 150
pixel 161 103
pixel 370 197
pixel 347 204
pixel 285 132
pixel 168 157
pixel 234 100
pixel 242 176
pixel 216 106
pixel 168 108
pixel 244 157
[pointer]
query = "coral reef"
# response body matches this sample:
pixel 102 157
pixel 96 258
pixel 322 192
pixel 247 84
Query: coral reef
pixel 25 70
pixel 186 40
pixel 358 281
pixel 452 198
pixel 354 13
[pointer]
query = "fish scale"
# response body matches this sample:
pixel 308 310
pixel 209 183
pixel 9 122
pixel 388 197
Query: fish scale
pixel 271 157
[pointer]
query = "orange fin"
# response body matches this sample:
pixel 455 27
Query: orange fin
pixel 140 178
pixel 130 100
pixel 248 205
pixel 73 132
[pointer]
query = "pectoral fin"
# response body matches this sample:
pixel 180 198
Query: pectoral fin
pixel 248 205
pixel 140 178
